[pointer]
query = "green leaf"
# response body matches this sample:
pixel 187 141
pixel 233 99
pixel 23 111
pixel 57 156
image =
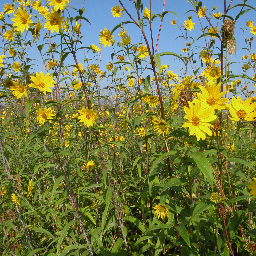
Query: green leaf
pixel 236 199
pixel 42 230
pixel 32 253
pixel 206 34
pixel 138 119
pixel 183 233
pixel 200 207
pixel 251 233
pixel 136 222
pixel 203 165
pixel 117 245
pixel 27 108
pixel 241 13
pixel 63 57
pixel 240 161
pixel 173 182
pixel 105 213
pixel 158 61
pixel 236 220
pixel 171 53
pixel 71 248
pixel 119 26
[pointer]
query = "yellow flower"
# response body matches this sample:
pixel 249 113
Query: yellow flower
pixel 202 12
pixel 127 68
pixel 213 31
pixel 151 100
pixel 15 199
pixel 16 66
pixel 141 132
pixel 36 30
pixel 54 21
pixel 249 23
pixel 240 110
pixel 116 11
pixel 189 24
pixel 146 13
pixel 42 82
pixel 216 198
pixel 253 30
pixel 30 188
pixel 77 28
pixel 173 22
pixel 3 191
pixel 1 15
pixel 87 116
pixel 184 50
pixel 106 38
pixel 217 15
pixel 160 126
pixel 253 56
pixel 245 57
pixel 8 8
pixel 212 96
pixel 43 115
pixel 95 48
pixel 21 20
pixel 161 211
pixel 143 51
pixel 252 187
pixel 125 38
pixel 77 84
pixel 66 144
pixel 212 73
pixel 9 35
pixel 90 165
pixel 58 4
pixel 199 115
pixel 19 90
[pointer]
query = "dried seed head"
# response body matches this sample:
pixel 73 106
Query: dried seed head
pixel 185 96
pixel 227 29
pixel 251 247
pixel 231 46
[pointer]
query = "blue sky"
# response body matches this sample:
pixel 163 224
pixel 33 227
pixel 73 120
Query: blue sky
pixel 98 12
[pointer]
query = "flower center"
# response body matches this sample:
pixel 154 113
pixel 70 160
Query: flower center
pixel 195 121
pixel 41 85
pixel 54 22
pixel 241 114
pixel 24 20
pixel 211 101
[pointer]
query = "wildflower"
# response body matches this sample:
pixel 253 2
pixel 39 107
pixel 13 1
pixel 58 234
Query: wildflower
pixel 8 8
pixel 199 115
pixel 151 100
pixel 21 20
pixel 141 132
pixel 30 188
pixel 184 50
pixel 127 68
pixel 249 23
pixel 77 84
pixel 240 110
pixel 143 51
pixel 66 144
pixel 95 48
pixel 213 31
pixel 130 81
pixel 216 198
pixel 58 4
pixel 36 30
pixel 16 66
pixel 245 57
pixel 15 199
pixel 202 12
pixel 146 13
pixel 77 28
pixel 106 38
pixel 120 58
pixel 161 211
pixel 252 187
pixel 116 11
pixel 212 73
pixel 43 115
pixel 42 82
pixel 246 66
pixel 189 24
pixel 217 15
pixel 3 191
pixel 253 30
pixel 160 127
pixel 1 16
pixel 125 38
pixel 9 35
pixel 253 56
pixel 54 21
pixel 173 22
pixel 87 116
pixel 212 96
pixel 19 90
pixel 90 165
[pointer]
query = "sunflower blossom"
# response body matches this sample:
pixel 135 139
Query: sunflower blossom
pixel 161 211
pixel 212 96
pixel 87 116
pixel 116 11
pixel 216 198
pixel 143 51
pixel 189 24
pixel 54 21
pixel 58 4
pixel 240 110
pixel 252 187
pixel 199 115
pixel 212 73
pixel 30 187
pixel 160 126
pixel 106 38
pixel 44 114
pixel 19 90
pixel 3 191
pixel 90 165
pixel 42 82
pixel 22 20
pixel 15 199
pixel 94 48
